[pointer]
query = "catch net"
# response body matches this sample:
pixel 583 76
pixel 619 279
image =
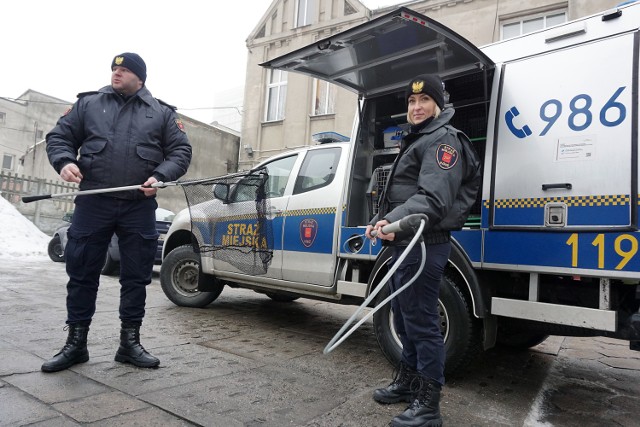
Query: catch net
pixel 229 220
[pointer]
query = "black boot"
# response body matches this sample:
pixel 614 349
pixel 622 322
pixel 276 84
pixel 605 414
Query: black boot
pixel 400 388
pixel 131 351
pixel 74 351
pixel 424 411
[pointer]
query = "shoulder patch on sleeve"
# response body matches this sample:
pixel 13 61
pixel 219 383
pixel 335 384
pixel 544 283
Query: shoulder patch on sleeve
pixel 446 156
pixel 174 108
pixel 180 125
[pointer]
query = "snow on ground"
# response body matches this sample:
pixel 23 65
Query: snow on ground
pixel 19 237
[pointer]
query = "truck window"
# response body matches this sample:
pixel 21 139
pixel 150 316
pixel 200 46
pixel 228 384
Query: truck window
pixel 279 172
pixel 318 170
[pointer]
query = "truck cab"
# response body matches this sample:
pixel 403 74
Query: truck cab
pixel 551 244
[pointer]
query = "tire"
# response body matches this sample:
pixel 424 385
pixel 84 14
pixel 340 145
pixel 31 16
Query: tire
pixel 281 297
pixel 179 278
pixel 111 267
pixel 462 331
pixel 519 339
pixel 55 250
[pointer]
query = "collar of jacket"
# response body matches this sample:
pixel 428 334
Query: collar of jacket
pixel 443 119
pixel 144 94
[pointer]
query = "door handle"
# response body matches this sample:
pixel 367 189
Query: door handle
pixel 561 185
pixel 274 213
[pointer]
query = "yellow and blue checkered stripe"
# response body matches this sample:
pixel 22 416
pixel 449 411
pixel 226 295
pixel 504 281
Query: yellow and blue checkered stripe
pixel 593 210
pixel 573 201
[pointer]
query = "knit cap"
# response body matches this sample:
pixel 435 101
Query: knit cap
pixel 429 84
pixel 133 62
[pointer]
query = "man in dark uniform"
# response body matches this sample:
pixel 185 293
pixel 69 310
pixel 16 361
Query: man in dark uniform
pixel 436 173
pixel 117 136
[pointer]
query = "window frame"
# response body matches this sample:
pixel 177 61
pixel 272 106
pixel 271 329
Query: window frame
pixel 280 89
pixel 328 101
pixel 12 160
pixel 521 19
pixel 307 18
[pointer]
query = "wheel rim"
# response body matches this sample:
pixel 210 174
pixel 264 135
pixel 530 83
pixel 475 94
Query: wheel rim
pixel 444 324
pixel 185 278
pixel 58 251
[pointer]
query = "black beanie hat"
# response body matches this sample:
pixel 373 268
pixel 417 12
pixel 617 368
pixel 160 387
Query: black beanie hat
pixel 429 84
pixel 133 62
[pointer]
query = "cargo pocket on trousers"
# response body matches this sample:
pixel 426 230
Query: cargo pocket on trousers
pixel 75 251
pixel 148 246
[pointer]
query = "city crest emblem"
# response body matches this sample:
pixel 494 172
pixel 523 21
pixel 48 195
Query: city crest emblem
pixel 308 231
pixel 446 156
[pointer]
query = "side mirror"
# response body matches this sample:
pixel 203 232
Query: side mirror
pixel 221 192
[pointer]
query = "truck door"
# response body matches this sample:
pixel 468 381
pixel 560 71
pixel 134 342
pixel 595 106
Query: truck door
pixel 565 143
pixel 278 194
pixel 310 221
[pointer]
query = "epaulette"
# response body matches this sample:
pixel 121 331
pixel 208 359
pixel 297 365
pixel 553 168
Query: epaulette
pixel 83 94
pixel 174 108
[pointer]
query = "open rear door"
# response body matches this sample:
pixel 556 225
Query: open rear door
pixel 383 54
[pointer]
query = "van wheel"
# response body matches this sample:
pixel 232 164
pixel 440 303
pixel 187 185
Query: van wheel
pixel 180 275
pixel 462 331
pixel 111 267
pixel 54 249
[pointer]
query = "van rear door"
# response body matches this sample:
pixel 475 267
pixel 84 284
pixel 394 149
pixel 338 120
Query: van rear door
pixel 383 54
pixel 566 142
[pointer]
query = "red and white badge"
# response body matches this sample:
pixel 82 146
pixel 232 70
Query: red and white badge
pixel 308 231
pixel 180 125
pixel 446 156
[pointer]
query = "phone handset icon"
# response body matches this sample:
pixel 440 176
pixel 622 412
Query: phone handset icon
pixel 522 132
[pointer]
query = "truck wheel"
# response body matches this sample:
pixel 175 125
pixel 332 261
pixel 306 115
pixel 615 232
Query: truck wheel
pixel 56 253
pixel 462 331
pixel 111 267
pixel 179 275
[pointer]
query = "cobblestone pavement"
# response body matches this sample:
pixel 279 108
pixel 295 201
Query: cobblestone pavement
pixel 249 361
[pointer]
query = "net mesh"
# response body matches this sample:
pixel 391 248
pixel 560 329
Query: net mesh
pixel 229 220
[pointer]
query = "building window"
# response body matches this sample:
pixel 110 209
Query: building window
pixel 324 97
pixel 304 12
pixel 7 162
pixel 529 24
pixel 276 95
pixel 3 118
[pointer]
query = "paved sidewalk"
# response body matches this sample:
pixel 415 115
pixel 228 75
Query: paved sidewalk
pixel 249 361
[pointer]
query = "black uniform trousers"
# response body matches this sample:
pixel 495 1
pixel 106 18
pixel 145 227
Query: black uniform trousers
pixel 95 219
pixel 415 310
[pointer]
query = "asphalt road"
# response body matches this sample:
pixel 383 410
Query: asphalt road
pixel 249 361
